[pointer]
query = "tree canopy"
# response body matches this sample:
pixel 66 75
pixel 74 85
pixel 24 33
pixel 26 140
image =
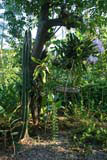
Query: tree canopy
pixel 69 13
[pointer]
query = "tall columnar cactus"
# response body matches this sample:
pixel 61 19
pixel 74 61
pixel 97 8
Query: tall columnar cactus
pixel 26 82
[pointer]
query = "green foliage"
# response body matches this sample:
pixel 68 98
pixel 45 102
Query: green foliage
pixel 1 110
pixel 72 52
pixel 26 14
pixel 90 131
pixel 10 81
pixel 94 85
pixel 54 107
pixel 89 107
pixel 90 104
pixel 41 69
pixel 7 127
pixel 10 88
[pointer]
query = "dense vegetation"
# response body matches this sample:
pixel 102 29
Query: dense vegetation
pixel 61 87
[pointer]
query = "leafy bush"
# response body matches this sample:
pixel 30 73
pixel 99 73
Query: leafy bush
pixel 10 87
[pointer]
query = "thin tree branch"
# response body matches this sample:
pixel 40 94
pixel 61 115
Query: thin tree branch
pixel 60 22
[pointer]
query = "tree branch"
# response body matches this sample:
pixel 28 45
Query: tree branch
pixel 72 21
pixel 56 22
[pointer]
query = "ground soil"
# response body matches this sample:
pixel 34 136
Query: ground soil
pixel 42 147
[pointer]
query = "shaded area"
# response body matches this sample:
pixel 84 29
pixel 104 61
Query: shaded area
pixel 39 149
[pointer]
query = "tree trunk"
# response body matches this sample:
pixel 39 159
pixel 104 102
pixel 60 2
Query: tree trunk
pixel 36 100
pixel 41 38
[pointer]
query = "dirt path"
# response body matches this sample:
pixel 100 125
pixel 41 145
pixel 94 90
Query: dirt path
pixel 40 149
